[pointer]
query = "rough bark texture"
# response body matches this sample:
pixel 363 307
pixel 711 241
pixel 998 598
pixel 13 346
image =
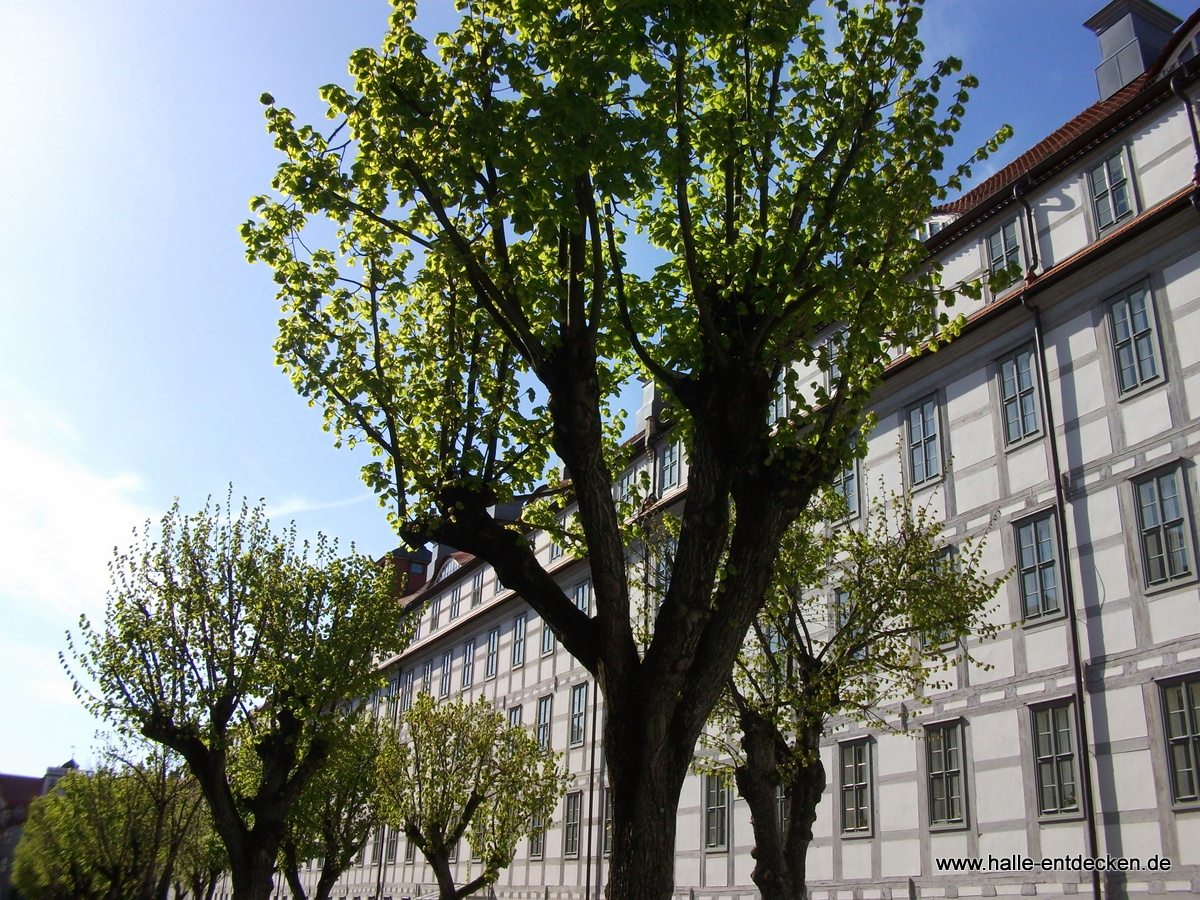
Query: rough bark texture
pixel 780 847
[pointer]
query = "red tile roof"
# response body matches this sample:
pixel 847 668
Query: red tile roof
pixel 1058 140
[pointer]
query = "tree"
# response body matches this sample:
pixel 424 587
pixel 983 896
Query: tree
pixel 495 200
pixel 115 833
pixel 904 602
pixel 460 770
pixel 220 635
pixel 337 809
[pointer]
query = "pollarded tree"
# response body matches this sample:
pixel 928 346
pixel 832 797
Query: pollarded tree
pixel 858 617
pixel 483 304
pixel 458 770
pixel 220 635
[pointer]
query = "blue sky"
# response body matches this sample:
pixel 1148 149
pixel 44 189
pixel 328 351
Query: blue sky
pixel 135 341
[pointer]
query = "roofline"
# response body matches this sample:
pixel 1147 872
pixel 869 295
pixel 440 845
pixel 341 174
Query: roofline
pixel 1149 96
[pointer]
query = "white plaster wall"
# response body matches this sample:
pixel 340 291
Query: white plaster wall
pixel 1045 648
pixel 1173 615
pixel 897 806
pixel 973 441
pixel 1027 466
pixel 1132 774
pixel 1144 416
pixel 1061 220
pixel 1062 838
pixel 976 489
pixel 856 858
pixel 1163 158
pixel 899 858
pixel 992 734
pixel 1002 843
pixel 999 798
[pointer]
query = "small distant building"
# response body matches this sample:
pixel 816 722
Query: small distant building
pixel 16 793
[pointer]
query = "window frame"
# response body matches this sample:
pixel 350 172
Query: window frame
pixel 1016 400
pixel 572 822
pixel 947 775
pixel 670 467
pixel 548 639
pixel 1151 334
pixel 930 410
pixel 447 672
pixel 1055 758
pixel 455 601
pixel 716 812
pixel 406 690
pixel 1182 523
pixel 1126 182
pixel 582 595
pixel 491 661
pixel 517 656
pixel 1038 567
pixel 1009 255
pixel 468 666
pixel 477 589
pixel 846 485
pixel 1189 741
pixel 861 790
pixel 514 716
pixel 435 611
pixel 537 838
pixel 578 723
pixel 544 724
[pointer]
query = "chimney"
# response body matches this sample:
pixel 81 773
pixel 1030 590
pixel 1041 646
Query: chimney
pixel 1132 34
pixel 410 568
pixel 651 408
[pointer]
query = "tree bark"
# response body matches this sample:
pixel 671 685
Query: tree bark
pixel 780 848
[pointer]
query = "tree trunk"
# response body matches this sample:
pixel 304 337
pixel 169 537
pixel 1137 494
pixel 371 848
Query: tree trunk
pixel 780 848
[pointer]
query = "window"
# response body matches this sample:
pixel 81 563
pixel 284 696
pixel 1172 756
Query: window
pixel 497 585
pixel 625 485
pixel 781 808
pixel 453 857
pixel 1003 248
pixel 578 713
pixel 583 596
pixel 537 837
pixel 1134 342
pixel 834 348
pixel 514 716
pixel 518 644
pixel 778 409
pixel 543 720
pixel 1018 396
pixel 410 850
pixel 1035 568
pixel 427 676
pixel 377 848
pixel 607 827
pixel 943 753
pixel 406 691
pixel 468 666
pixel 392 842
pixel 856 787
pixel 716 805
pixel 668 468
pixel 845 485
pixel 1181 704
pixel 435 610
pixel 571 819
pixel 924 455
pixel 455 601
pixel 1162 517
pixel 844 611
pixel 447 664
pixel 1112 200
pixel 547 639
pixel 477 588
pixel 493 647
pixel 556 549
pixel 1055 751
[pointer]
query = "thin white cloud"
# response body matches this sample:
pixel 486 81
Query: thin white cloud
pixel 60 520
pixel 292 506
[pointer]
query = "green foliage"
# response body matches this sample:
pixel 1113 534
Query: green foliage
pixel 459 769
pixel 858 617
pixel 485 191
pixel 338 808
pixel 221 636
pixel 125 831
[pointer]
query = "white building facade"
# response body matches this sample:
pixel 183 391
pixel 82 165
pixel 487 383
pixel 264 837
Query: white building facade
pixel 1064 424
